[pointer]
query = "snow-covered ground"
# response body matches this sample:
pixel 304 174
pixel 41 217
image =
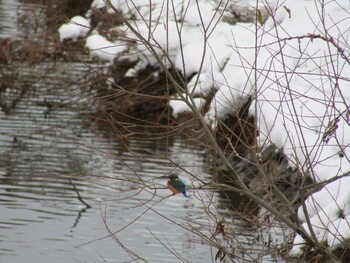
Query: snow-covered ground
pixel 296 65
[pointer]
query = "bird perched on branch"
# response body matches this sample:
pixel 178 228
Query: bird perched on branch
pixel 176 185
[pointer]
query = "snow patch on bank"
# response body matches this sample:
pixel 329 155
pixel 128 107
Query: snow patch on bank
pixel 179 106
pixel 77 27
pixel 104 49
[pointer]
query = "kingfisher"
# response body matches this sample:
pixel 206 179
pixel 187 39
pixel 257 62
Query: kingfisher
pixel 176 185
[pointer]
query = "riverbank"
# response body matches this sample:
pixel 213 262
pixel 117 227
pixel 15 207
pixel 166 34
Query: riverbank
pixel 61 173
pixel 288 109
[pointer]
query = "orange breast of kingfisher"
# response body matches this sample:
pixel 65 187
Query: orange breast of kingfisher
pixel 175 191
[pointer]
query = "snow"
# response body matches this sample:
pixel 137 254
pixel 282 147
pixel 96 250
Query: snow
pixel 179 106
pixel 203 83
pixel 77 27
pixel 194 58
pixel 104 49
pixel 229 97
pixel 301 87
pixel 296 102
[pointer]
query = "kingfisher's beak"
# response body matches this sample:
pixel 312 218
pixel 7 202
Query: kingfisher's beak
pixel 164 177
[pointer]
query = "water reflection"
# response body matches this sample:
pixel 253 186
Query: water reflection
pixel 66 186
pixel 8 14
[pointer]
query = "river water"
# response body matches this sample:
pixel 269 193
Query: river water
pixel 71 192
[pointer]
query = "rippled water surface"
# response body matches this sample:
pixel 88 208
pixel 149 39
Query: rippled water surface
pixel 69 192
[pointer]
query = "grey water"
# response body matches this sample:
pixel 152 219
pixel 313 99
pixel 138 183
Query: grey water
pixel 70 191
